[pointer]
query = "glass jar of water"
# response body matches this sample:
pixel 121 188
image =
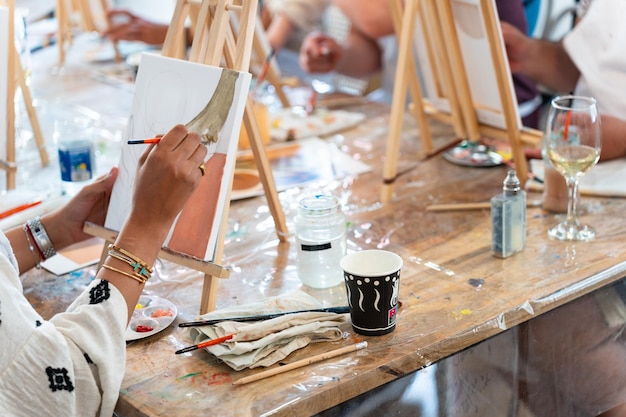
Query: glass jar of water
pixel 321 240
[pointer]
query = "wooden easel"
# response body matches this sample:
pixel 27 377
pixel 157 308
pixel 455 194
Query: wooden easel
pixel 443 49
pixel 88 23
pixel 16 78
pixel 216 43
pixel 223 34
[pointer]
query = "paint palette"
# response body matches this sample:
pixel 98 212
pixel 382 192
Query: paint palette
pixel 473 154
pixel 152 314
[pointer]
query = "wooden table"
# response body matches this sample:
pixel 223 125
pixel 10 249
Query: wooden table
pixel 454 293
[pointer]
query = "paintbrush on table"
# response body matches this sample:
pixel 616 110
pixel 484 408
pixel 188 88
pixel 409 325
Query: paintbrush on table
pixel 208 343
pixel 338 310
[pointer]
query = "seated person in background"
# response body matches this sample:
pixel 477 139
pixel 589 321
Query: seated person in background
pixel 127 26
pixel 73 364
pixel 589 61
pixel 371 47
pixel 285 21
pixel 288 21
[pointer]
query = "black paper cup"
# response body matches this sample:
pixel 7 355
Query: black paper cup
pixel 372 280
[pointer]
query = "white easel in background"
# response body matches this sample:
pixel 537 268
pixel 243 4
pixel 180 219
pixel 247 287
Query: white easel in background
pixel 431 24
pixel 16 78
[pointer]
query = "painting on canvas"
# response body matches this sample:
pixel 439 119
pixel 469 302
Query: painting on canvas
pixel 4 78
pixel 210 99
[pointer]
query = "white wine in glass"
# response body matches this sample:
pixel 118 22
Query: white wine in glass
pixel 572 144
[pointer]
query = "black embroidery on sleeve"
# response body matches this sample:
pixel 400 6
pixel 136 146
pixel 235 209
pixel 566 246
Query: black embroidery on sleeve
pixel 59 380
pixel 88 359
pixel 99 293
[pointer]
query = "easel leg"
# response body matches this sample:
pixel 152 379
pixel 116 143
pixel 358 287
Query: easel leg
pixel 32 115
pixel 390 168
pixel 265 170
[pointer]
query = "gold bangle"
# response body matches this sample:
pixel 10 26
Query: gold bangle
pixel 137 268
pixel 136 277
pixel 131 256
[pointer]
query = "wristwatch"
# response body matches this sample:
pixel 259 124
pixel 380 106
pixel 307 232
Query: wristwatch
pixel 41 237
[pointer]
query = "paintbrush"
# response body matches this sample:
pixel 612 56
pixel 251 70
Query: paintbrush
pixel 264 68
pixel 338 310
pixel 473 206
pixel 299 364
pixel 205 344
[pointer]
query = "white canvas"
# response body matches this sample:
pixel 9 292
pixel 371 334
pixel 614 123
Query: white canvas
pixel 169 91
pixel 477 63
pixel 477 60
pixel 427 65
pixel 4 59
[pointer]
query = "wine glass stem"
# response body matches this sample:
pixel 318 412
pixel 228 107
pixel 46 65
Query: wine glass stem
pixel 572 201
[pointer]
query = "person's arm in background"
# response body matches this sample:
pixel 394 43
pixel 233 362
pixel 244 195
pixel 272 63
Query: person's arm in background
pixel 357 56
pixel 613 137
pixel 545 62
pixel 286 17
pixel 279 31
pixel 126 26
pixel 372 17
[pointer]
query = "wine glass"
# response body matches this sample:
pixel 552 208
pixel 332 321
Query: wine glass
pixel 572 143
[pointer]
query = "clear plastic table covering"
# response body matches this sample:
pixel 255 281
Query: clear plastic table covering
pixel 559 353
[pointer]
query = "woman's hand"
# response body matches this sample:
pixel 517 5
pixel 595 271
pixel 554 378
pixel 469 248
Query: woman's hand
pixel 319 53
pixel 65 225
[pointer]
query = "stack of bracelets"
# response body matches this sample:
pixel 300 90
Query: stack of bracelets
pixel 141 271
pixel 39 242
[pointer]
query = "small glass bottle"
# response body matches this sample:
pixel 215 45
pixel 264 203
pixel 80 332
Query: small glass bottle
pixel 508 218
pixel 76 153
pixel 321 239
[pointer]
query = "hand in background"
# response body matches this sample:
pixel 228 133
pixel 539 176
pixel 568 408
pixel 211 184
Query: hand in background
pixel 124 25
pixel 319 53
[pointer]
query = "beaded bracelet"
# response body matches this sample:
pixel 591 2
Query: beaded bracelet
pixel 37 256
pixel 40 238
pixel 140 268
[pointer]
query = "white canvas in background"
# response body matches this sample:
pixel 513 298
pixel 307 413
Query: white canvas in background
pixel 476 51
pixel 169 91
pixel 477 61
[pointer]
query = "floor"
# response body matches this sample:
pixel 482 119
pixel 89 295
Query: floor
pixel 410 396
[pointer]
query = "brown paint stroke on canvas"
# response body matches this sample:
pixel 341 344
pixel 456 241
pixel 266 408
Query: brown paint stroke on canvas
pixel 194 226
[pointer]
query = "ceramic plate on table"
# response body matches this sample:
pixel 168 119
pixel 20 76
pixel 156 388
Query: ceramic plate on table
pixel 152 314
